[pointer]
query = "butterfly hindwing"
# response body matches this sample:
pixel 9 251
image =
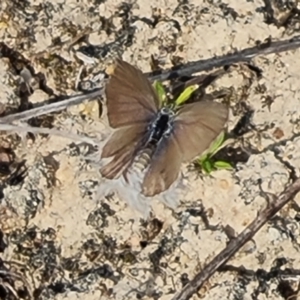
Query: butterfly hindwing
pixel 122 138
pixel 122 145
pixel 164 167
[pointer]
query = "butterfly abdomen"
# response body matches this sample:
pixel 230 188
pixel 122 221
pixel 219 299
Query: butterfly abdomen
pixel 142 160
pixel 135 173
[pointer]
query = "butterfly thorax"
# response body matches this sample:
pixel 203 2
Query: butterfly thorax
pixel 161 126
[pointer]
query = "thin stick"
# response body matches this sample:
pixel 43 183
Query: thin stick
pixel 187 69
pixel 234 245
pixel 50 131
pixel 49 108
pixel 17 276
pixel 245 55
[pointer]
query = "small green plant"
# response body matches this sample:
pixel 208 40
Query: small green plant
pixel 183 97
pixel 207 162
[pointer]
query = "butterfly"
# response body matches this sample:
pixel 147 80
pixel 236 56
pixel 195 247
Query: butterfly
pixel 177 136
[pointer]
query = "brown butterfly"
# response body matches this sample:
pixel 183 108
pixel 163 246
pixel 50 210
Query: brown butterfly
pixel 133 109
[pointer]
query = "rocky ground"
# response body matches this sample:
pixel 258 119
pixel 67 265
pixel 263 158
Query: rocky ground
pixel 58 240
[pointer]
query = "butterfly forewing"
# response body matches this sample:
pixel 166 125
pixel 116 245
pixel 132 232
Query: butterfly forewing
pixel 123 145
pixel 197 125
pixel 131 99
pixel 164 167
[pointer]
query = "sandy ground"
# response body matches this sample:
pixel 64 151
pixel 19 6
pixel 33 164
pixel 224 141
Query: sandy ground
pixel 71 244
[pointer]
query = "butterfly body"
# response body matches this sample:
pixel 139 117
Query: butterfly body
pixel 162 138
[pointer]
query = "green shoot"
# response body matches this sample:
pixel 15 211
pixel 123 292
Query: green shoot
pixel 186 94
pixel 206 161
pixel 161 93
pixel 183 97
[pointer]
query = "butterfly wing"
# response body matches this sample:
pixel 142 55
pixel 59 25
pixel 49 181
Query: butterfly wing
pixel 123 145
pixel 164 167
pixel 118 165
pixel 131 99
pixel 197 125
pixel 122 138
pixel 194 129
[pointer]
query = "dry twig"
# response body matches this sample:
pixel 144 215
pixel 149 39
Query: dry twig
pixel 235 244
pixel 190 68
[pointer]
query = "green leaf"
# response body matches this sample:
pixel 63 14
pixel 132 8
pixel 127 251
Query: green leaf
pixel 186 94
pixel 207 166
pixel 222 165
pixel 215 147
pixel 160 90
pixel 202 158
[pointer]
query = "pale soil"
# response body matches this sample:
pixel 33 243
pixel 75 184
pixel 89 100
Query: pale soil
pixel 232 197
